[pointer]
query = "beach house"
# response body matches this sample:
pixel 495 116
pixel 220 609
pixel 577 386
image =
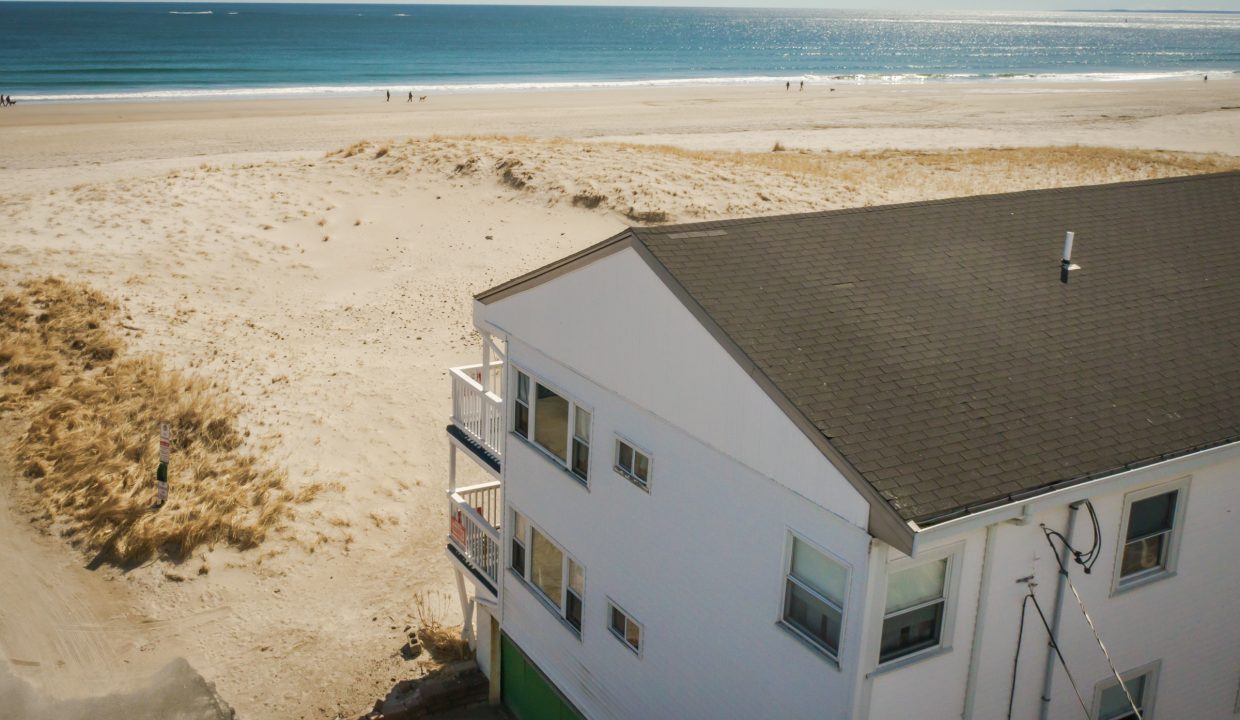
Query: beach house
pixel 888 462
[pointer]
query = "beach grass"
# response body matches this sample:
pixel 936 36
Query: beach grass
pixel 654 184
pixel 88 447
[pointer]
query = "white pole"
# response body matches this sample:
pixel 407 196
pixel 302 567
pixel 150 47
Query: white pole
pixel 486 362
pixel 1067 246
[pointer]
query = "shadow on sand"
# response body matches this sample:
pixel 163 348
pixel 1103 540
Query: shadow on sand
pixel 176 692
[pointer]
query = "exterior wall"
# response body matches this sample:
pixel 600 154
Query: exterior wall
pixel 699 560
pixel 614 323
pixel 1185 622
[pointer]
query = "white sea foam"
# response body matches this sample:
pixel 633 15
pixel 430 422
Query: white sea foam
pixel 361 90
pixel 193 12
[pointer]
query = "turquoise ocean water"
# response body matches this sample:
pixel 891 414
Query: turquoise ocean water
pixel 118 51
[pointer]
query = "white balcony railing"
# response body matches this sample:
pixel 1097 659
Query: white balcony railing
pixel 474 514
pixel 478 412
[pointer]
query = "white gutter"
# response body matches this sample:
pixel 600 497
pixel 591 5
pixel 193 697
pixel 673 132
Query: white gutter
pixel 1024 509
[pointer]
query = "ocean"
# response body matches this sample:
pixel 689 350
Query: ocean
pixel 124 51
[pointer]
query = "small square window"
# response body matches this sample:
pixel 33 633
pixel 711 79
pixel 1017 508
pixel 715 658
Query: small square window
pixel 632 463
pixel 624 628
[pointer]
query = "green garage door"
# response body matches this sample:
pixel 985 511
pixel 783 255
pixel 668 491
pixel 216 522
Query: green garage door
pixel 526 691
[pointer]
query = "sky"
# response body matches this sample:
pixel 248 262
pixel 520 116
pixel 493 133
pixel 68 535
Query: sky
pixel 1227 5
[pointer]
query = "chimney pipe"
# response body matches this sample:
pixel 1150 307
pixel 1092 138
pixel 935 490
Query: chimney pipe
pixel 1066 263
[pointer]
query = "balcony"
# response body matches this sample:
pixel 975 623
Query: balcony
pixel 474 517
pixel 476 499
pixel 478 411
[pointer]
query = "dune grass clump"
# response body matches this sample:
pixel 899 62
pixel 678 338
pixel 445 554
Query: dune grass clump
pixel 90 446
pixel 443 641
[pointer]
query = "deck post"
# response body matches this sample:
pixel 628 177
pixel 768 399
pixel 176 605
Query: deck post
pixel 493 691
pixel 467 609
pixel 486 362
pixel 451 468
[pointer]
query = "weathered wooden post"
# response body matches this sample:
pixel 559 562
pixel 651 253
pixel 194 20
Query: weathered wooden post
pixel 161 475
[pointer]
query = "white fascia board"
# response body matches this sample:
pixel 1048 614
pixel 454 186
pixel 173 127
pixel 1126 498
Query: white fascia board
pixel 481 322
pixel 1119 482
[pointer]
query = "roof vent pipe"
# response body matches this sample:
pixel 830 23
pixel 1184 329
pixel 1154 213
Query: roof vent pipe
pixel 1066 263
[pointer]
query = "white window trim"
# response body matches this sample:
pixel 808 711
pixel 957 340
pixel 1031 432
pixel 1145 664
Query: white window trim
pixel 786 574
pixel 1151 689
pixel 615 461
pixel 573 404
pixel 1121 584
pixel 954 553
pixel 524 578
pixel 628 618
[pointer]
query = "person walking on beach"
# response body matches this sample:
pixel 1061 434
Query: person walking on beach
pixel 787 86
pixel 389 96
pixel 802 86
pixel 410 96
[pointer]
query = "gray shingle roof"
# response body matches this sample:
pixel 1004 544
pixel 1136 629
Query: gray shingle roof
pixel 934 346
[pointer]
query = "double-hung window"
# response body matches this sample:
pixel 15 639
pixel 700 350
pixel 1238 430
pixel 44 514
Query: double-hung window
pixel 916 609
pixel 1152 524
pixel 520 533
pixel 633 463
pixel 1112 703
pixel 814 591
pixel 555 576
pixel 521 423
pixel 554 423
pixel 581 443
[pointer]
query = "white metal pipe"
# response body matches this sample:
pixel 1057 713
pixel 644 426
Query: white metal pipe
pixel 1067 246
pixel 1061 584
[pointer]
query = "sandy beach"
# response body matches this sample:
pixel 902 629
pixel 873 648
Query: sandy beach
pixel 317 257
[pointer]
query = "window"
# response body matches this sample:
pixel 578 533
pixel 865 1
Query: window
pixel 1111 703
pixel 520 530
pixel 814 591
pixel 554 423
pixel 554 576
pixel 1152 520
pixel 624 628
pixel 916 607
pixel 632 463
pixel 547 568
pixel 581 444
pixel 521 423
pixel 574 597
pixel 551 421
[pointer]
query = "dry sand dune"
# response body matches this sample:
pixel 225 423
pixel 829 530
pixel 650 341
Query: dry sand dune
pixel 328 289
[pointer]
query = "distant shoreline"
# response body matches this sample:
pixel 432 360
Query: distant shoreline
pixel 400 92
